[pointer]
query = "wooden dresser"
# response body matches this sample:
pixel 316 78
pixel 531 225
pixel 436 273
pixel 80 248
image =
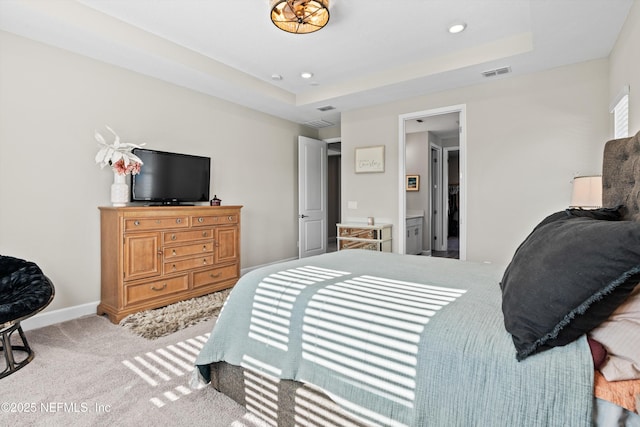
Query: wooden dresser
pixel 154 256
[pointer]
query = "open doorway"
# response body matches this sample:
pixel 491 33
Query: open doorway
pixel 443 136
pixel 449 195
pixel 432 145
pixel 333 190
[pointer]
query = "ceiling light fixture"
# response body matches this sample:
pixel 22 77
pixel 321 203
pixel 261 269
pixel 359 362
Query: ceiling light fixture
pixel 300 16
pixel 457 28
pixel 306 75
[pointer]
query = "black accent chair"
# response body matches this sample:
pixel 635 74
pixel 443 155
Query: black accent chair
pixel 24 291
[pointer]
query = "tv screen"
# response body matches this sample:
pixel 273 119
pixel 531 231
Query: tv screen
pixel 170 178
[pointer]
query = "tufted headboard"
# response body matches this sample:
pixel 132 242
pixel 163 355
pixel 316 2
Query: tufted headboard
pixel 621 176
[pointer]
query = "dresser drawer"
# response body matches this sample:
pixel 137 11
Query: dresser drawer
pixel 187 236
pixel 174 252
pixel 361 233
pixel 215 275
pixel 141 224
pixel 411 222
pixel 197 221
pixel 187 264
pixel 358 244
pixel 155 289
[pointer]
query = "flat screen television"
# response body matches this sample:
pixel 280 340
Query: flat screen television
pixel 170 178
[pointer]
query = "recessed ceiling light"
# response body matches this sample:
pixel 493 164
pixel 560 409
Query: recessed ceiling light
pixel 306 75
pixel 276 77
pixel 457 28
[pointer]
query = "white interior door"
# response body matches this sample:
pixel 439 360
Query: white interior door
pixel 312 196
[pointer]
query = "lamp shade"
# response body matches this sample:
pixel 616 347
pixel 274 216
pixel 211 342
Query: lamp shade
pixel 300 16
pixel 587 192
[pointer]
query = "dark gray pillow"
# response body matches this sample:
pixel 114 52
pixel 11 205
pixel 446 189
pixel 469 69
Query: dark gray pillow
pixel 605 214
pixel 566 278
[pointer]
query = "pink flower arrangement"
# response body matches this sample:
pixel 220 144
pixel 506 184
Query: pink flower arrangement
pixel 119 167
pixel 118 155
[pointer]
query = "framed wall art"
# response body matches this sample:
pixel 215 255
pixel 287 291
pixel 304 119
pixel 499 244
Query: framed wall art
pixel 369 159
pixel 413 182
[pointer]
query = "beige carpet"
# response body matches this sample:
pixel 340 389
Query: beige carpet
pixel 90 372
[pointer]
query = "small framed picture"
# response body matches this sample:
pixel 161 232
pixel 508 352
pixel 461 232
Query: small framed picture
pixel 413 182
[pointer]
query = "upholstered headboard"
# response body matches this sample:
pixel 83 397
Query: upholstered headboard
pixel 621 176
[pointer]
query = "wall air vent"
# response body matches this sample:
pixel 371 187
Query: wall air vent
pixel 318 124
pixel 497 72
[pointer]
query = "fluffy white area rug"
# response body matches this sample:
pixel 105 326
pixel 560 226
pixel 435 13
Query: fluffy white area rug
pixel 152 324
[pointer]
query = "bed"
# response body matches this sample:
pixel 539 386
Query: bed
pixel 368 338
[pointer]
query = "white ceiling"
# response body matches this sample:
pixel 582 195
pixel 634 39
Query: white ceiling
pixel 370 52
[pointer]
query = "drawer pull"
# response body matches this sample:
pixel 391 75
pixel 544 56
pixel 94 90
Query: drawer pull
pixel 179 220
pixel 204 248
pixel 204 234
pixel 230 218
pixel 173 237
pixel 157 221
pixel 136 223
pixel 173 267
pixel 200 219
pixel 173 252
pixel 215 276
pixel 153 288
pixel 204 261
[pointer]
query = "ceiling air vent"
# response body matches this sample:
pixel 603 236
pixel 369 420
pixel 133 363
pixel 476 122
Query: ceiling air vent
pixel 497 72
pixel 318 124
pixel 326 108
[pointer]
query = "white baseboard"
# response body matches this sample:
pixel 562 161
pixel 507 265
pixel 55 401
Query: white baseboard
pixel 48 318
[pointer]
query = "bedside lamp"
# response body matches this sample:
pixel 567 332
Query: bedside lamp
pixel 587 192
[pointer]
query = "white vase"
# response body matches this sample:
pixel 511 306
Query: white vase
pixel 119 190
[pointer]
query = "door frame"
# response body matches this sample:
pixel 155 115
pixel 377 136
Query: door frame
pixel 402 199
pixel 436 207
pixel 445 193
pixel 333 202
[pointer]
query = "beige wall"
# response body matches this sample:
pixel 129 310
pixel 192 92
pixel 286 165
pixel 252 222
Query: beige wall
pixel 418 164
pixel 624 66
pixel 50 103
pixel 417 153
pixel 526 138
pixel 331 132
